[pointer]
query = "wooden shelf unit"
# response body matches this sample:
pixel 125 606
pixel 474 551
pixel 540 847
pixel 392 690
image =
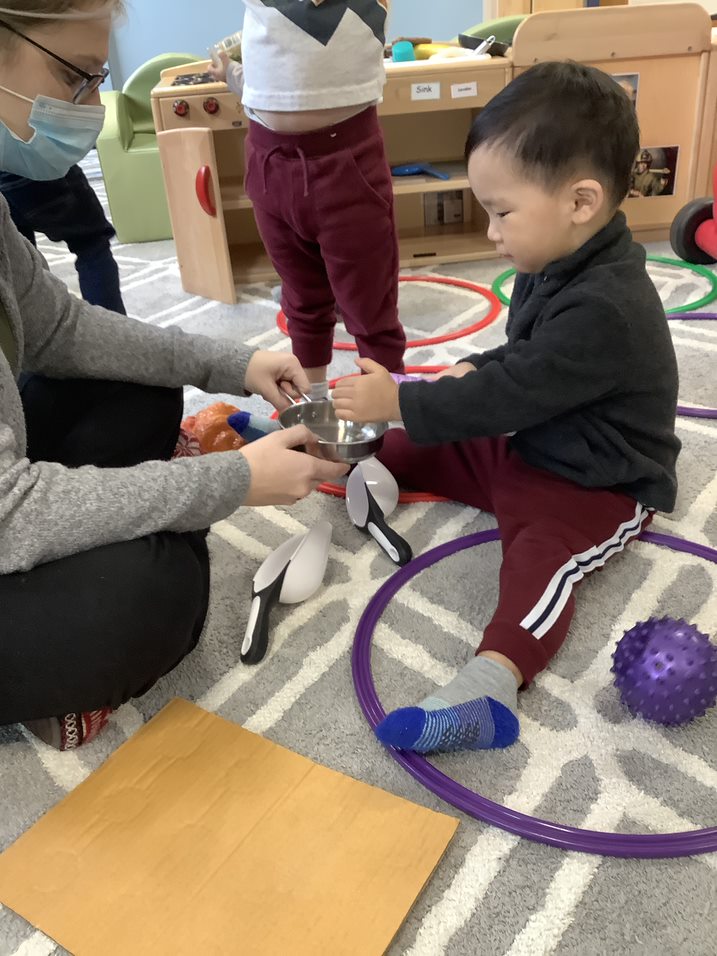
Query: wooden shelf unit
pixel 425 183
pixel 250 263
pixel 233 195
pixel 426 113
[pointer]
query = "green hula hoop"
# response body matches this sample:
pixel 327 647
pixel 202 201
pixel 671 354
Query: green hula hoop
pixel 499 282
pixel 710 296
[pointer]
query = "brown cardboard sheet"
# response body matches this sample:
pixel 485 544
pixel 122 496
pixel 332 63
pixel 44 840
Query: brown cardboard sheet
pixel 198 837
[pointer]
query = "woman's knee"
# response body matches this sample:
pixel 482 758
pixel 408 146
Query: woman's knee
pixel 169 593
pixel 100 627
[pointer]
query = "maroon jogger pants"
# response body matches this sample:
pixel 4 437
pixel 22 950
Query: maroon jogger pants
pixel 323 203
pixel 553 533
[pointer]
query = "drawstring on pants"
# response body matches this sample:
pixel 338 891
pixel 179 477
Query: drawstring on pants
pixel 304 167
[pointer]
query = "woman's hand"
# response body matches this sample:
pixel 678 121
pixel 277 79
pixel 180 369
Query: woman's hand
pixel 372 397
pixel 280 475
pixel 273 374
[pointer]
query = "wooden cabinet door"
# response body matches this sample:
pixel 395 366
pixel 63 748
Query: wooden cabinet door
pixel 195 208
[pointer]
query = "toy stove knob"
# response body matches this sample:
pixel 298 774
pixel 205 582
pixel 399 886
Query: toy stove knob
pixel 181 107
pixel 211 105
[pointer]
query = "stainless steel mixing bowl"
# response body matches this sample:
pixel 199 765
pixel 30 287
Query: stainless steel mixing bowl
pixel 348 442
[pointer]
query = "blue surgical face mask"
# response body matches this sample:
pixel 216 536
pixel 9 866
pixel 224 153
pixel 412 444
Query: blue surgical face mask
pixel 64 134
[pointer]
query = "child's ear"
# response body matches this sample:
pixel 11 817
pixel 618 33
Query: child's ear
pixel 588 199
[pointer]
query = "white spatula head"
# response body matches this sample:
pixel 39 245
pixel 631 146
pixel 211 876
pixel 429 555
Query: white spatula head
pixel 357 498
pixel 274 564
pixel 307 567
pixel 381 483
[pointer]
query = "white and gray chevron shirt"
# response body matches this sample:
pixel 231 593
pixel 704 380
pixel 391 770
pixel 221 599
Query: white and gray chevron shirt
pixel 313 54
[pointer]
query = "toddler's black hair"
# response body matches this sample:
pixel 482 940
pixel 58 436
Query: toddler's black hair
pixel 558 118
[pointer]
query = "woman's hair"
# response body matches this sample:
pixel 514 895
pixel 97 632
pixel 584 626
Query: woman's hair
pixel 26 14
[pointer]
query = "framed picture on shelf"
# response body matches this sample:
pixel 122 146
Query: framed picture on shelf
pixel 655 171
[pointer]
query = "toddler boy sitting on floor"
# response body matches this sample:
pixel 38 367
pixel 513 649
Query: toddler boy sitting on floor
pixel 567 431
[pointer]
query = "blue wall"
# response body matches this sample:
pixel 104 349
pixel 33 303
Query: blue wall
pixel 188 26
pixel 438 19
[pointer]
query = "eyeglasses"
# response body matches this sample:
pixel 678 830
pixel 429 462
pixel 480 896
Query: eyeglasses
pixel 91 82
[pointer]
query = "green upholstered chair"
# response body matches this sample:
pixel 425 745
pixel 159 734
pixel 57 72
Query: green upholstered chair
pixel 129 155
pixel 503 29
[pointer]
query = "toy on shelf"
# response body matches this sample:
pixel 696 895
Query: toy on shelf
pixel 666 671
pixel 693 235
pixel 407 50
pixel 503 28
pixel 403 51
pixel 412 42
pixel 491 46
pixel 465 51
pixel 371 496
pixel 290 575
pixel 418 169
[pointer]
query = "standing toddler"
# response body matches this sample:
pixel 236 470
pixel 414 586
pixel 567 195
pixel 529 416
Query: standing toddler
pixel 316 172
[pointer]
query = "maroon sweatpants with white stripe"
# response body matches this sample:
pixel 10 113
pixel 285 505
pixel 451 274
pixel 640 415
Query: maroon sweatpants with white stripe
pixel 323 203
pixel 553 532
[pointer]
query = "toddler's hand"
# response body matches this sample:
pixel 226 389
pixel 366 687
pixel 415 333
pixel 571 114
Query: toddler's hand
pixel 219 73
pixel 372 397
pixel 280 475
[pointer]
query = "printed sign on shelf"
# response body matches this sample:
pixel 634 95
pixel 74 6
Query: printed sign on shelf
pixel 425 91
pixel 459 90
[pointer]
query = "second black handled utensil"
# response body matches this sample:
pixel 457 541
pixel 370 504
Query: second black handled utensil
pixel 372 495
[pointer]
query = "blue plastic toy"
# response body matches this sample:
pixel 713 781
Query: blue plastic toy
pixel 403 52
pixel 418 169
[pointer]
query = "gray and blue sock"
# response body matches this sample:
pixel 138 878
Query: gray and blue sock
pixel 477 710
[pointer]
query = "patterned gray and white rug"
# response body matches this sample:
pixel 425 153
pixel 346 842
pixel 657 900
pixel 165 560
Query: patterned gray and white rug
pixel 581 759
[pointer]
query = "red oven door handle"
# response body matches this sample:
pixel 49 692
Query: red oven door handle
pixel 205 193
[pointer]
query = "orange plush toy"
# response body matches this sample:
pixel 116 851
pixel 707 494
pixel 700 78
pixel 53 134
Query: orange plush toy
pixel 212 430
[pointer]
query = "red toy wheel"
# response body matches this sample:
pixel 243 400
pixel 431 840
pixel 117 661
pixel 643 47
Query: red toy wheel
pixel 684 230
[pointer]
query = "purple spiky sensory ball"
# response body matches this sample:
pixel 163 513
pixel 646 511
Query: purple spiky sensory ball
pixel 666 671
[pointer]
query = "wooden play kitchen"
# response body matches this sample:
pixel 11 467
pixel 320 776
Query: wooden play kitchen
pixel 664 55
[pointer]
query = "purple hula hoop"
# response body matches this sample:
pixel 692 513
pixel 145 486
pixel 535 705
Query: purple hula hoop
pixel 688 410
pixel 689 316
pixel 642 845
